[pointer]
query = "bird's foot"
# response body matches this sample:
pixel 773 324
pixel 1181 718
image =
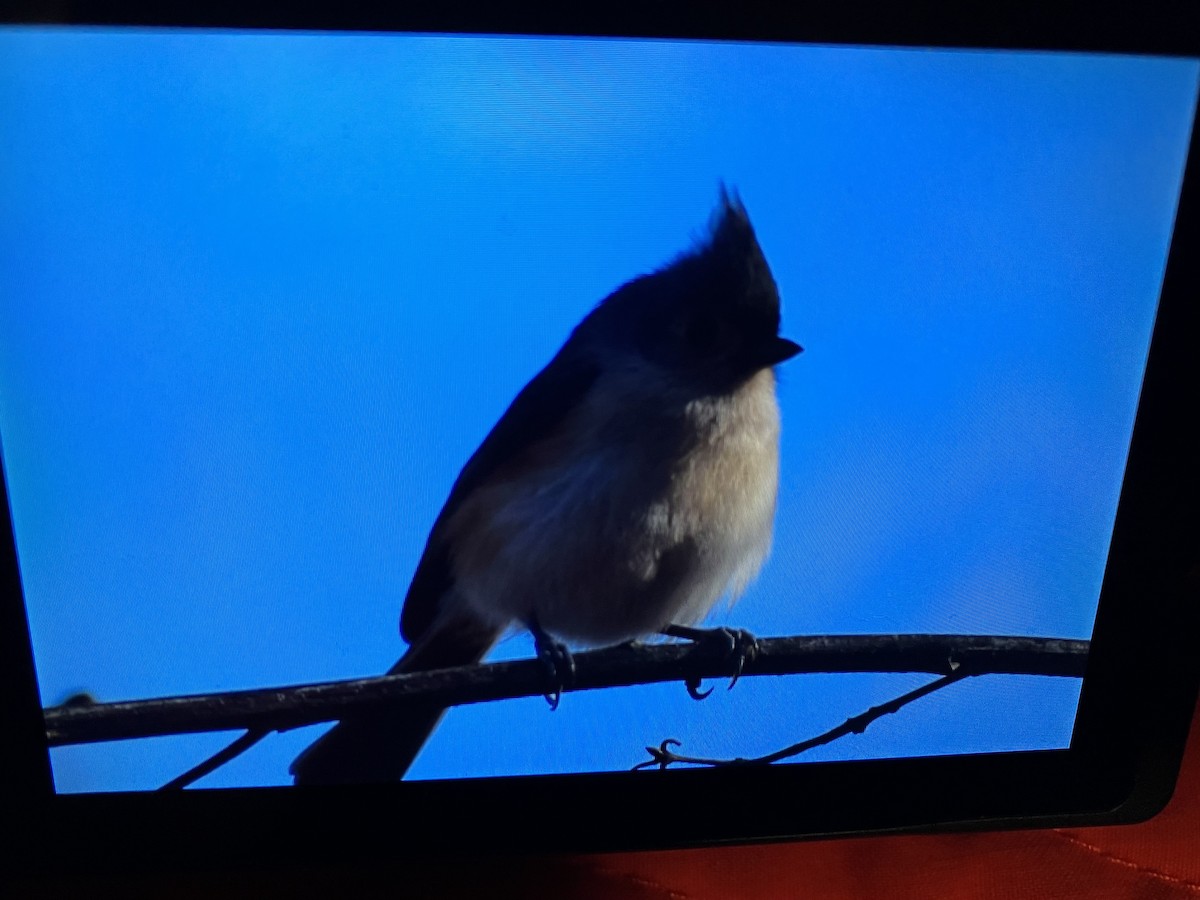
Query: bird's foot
pixel 737 645
pixel 556 659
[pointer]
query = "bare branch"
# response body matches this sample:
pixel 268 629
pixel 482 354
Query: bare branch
pixel 218 759
pixel 276 709
pixel 663 756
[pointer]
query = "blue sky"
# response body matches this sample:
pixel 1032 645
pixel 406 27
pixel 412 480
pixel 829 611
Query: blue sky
pixel 262 295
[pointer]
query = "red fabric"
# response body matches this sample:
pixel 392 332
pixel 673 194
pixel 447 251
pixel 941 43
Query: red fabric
pixel 1155 860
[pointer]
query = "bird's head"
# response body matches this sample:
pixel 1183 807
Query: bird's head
pixel 712 315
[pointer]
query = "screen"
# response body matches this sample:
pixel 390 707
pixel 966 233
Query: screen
pixel 263 294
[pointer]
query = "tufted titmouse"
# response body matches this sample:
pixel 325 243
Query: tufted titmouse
pixel 629 487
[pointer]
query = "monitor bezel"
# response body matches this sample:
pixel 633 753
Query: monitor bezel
pixel 1142 677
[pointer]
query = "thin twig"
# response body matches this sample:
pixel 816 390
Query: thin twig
pixel 218 759
pixel 662 756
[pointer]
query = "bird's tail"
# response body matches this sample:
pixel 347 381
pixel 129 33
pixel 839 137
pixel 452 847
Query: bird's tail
pixel 380 747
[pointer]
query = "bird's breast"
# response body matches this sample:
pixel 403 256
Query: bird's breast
pixel 634 514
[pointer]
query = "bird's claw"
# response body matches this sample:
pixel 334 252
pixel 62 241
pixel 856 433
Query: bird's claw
pixel 693 689
pixel 558 662
pixel 737 645
pixel 743 649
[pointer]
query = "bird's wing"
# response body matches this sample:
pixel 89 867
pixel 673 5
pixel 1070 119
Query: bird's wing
pixel 535 413
pixel 380 747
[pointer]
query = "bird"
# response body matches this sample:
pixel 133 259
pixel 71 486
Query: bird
pixel 629 487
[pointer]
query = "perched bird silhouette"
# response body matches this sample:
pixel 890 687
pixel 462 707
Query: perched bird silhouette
pixel 627 489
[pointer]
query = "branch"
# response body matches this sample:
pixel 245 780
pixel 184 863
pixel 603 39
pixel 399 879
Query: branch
pixel 663 756
pixel 218 759
pixel 278 709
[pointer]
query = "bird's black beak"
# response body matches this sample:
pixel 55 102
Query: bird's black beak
pixel 779 350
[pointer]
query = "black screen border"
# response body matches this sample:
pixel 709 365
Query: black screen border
pixel 1141 685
